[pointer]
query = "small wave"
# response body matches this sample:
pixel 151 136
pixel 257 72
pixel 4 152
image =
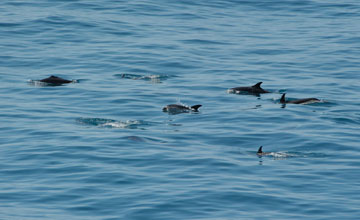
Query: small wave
pixel 145 139
pixel 110 123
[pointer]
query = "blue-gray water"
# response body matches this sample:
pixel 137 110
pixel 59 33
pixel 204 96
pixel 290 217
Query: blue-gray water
pixel 103 149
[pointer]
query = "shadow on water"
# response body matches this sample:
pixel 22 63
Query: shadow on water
pixel 252 108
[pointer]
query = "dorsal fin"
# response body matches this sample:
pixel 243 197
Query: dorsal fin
pixel 257 85
pixel 195 107
pixel 282 100
pixel 260 150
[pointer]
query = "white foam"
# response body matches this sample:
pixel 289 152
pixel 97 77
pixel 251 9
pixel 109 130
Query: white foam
pixel 120 124
pixel 279 154
pixel 114 125
pixel 230 91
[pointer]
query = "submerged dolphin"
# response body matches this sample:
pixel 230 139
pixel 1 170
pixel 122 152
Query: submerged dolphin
pixel 298 101
pixel 255 89
pixel 176 108
pixel 55 80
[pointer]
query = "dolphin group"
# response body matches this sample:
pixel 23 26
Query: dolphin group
pixel 179 108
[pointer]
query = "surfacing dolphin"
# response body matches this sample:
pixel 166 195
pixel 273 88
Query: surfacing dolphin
pixel 261 153
pixel 277 155
pixel 176 108
pixel 298 101
pixel 255 89
pixel 55 80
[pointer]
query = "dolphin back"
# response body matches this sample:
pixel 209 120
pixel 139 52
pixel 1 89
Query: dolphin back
pixel 55 80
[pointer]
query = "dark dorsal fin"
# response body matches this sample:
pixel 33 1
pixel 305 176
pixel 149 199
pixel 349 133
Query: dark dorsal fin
pixel 282 100
pixel 257 85
pixel 260 150
pixel 195 107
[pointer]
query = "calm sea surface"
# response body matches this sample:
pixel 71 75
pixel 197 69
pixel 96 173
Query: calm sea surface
pixel 102 148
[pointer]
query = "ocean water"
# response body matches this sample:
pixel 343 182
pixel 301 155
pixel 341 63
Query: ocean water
pixel 102 148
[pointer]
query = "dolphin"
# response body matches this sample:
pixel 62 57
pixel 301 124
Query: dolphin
pixel 298 101
pixel 261 153
pixel 255 89
pixel 55 80
pixel 276 155
pixel 176 108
